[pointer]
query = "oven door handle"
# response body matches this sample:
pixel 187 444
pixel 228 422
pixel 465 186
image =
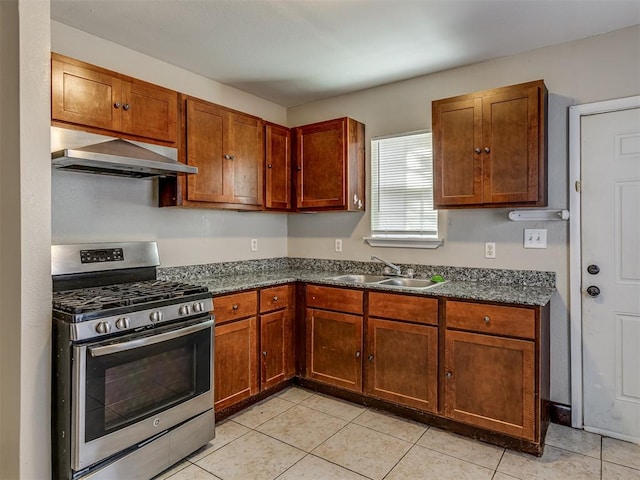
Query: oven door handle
pixel 142 342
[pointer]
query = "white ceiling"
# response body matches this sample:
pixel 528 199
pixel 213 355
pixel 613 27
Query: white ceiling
pixel 295 51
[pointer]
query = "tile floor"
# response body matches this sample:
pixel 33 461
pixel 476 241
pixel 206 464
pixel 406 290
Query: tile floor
pixel 301 435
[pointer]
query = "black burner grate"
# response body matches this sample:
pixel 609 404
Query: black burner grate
pixel 95 299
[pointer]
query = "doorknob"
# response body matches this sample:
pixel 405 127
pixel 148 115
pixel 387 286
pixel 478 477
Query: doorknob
pixel 593 291
pixel 593 269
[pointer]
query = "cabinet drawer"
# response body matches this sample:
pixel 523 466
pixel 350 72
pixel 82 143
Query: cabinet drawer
pixel 492 319
pixel 340 299
pixel 274 298
pixel 403 307
pixel 238 305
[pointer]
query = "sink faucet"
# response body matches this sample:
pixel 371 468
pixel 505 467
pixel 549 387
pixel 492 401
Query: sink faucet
pixel 397 270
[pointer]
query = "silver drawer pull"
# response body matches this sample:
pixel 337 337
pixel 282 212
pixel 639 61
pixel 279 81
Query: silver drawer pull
pixel 486 320
pixel 235 307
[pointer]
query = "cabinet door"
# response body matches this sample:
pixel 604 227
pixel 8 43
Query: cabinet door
pixel 490 382
pixel 402 363
pixel 205 147
pixel 244 155
pixel 511 129
pixel 84 96
pixel 276 347
pixel 321 165
pixel 149 111
pixel 278 171
pixel 235 362
pixel 334 348
pixel 457 163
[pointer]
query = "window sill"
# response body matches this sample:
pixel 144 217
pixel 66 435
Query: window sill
pixel 400 242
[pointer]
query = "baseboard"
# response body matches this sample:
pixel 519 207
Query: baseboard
pixel 560 413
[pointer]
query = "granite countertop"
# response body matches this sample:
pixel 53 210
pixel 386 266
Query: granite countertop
pixel 473 290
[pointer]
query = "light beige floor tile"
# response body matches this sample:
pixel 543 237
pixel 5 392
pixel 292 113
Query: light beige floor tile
pixel 622 453
pixel 172 470
pixel 193 472
pixel 261 412
pixel 314 468
pixel 253 456
pixel 391 425
pixel 226 432
pixel 302 427
pixel 463 448
pixel 333 406
pixel 423 463
pixel 555 464
pixel 294 394
pixel 611 471
pixel 363 450
pixel 503 476
pixel 574 440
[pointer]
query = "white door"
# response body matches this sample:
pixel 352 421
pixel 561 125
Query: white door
pixel 610 206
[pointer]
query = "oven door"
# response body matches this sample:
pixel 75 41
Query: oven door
pixel 129 389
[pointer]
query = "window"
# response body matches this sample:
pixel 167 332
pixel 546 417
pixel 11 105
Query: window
pixel 402 211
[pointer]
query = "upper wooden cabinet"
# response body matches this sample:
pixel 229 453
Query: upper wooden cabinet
pixel 490 148
pixel 98 100
pixel 277 188
pixel 330 172
pixel 228 149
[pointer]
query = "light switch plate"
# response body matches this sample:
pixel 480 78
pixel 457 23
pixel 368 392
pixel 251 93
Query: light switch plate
pixel 535 238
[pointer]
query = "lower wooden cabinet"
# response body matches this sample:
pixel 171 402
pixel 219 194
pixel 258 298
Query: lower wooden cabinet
pixel 490 382
pixel 402 363
pixel 276 335
pixel 334 348
pixel 496 372
pixel 235 362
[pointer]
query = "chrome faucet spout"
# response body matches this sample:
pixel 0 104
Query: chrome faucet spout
pixel 397 270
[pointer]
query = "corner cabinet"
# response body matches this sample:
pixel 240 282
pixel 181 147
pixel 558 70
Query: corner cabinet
pixel 496 371
pixel 490 148
pixel 277 173
pixel 330 166
pixel 91 98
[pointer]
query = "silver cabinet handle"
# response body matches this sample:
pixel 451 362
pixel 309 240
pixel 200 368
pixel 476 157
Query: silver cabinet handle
pixel 486 320
pixel 269 166
pixel 116 105
pixel 358 354
pixel 487 150
pixel 229 157
pixel 275 298
pixel 370 357
pixel 126 106
pixel 478 150
pixel 448 374
pixel 235 307
pixel 264 353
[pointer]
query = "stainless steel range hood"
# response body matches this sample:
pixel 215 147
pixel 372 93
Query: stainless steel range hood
pixel 113 156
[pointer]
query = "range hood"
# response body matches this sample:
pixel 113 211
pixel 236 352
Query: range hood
pixel 117 157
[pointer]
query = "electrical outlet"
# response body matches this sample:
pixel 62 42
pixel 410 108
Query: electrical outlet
pixel 338 244
pixel 535 238
pixel 254 244
pixel 489 249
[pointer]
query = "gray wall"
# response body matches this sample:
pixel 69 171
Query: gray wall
pixel 598 68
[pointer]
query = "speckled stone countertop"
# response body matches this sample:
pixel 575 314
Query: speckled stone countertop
pixel 523 287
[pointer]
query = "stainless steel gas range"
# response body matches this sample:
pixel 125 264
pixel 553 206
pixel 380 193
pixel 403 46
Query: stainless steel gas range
pixel 132 355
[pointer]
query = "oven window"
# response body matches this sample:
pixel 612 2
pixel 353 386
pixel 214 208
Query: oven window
pixel 128 386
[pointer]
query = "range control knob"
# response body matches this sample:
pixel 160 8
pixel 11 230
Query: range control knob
pixel 184 310
pixel 103 327
pixel 155 316
pixel 198 307
pixel 123 323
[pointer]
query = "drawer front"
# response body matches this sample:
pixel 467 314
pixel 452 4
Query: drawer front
pixel 330 298
pixel 492 319
pixel 404 307
pixel 238 305
pixel 274 298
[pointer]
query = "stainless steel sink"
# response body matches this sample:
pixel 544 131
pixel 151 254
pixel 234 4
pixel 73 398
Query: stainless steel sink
pixel 409 282
pixel 359 278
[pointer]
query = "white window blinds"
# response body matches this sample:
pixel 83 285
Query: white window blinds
pixel 402 187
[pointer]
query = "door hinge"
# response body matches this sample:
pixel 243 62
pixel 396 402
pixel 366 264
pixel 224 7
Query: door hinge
pixel 578 186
